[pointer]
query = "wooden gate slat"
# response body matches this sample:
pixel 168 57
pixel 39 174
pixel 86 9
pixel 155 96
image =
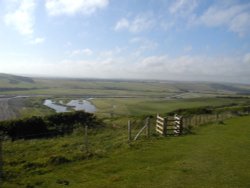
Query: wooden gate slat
pixel 169 125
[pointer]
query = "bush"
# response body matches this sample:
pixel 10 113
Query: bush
pixel 52 125
pixel 33 127
pixel 192 111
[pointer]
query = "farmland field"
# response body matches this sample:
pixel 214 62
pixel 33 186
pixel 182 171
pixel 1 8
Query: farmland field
pixel 115 97
pixel 213 155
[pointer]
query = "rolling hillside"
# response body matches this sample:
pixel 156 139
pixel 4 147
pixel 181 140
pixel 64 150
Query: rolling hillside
pixel 13 79
pixel 11 84
pixel 215 155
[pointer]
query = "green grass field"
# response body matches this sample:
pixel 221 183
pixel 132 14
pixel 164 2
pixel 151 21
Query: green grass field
pixel 115 97
pixel 148 106
pixel 16 85
pixel 215 155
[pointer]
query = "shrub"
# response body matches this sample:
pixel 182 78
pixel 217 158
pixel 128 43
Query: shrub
pixel 52 125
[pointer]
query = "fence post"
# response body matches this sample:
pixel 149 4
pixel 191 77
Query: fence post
pixel 86 137
pixel 181 125
pixel 142 129
pixel 129 130
pixel 184 122
pixel 1 159
pixel 189 121
pixel 165 126
pixel 195 120
pixel 148 127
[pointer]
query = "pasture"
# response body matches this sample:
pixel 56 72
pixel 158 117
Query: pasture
pixel 214 155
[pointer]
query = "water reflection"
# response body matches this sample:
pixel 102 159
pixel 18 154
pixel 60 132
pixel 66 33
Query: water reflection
pixel 75 104
pixel 56 107
pixel 82 105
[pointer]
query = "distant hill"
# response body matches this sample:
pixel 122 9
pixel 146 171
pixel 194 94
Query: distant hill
pixel 204 87
pixel 118 88
pixel 13 79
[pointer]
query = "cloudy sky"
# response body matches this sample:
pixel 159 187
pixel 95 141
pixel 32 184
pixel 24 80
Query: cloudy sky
pixel 204 40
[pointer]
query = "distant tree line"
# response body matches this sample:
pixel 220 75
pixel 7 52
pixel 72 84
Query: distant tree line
pixel 16 89
pixel 233 108
pixel 47 126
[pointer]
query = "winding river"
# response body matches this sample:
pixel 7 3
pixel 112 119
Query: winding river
pixel 74 104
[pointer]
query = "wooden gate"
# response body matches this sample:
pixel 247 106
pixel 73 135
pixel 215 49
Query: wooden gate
pixel 172 125
pixel 146 127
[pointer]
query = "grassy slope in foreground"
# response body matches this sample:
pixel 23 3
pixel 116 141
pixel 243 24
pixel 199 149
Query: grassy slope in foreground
pixel 215 156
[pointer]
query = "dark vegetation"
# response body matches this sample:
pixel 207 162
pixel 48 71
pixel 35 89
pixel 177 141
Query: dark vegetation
pixel 229 87
pixel 64 123
pixel 16 89
pixel 47 126
pixel 232 108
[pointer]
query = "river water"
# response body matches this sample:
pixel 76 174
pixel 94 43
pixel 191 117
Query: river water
pixel 75 104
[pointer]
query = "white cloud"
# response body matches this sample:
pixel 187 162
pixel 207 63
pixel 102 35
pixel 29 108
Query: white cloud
pixel 167 25
pixel 144 45
pixel 186 67
pixel 141 23
pixel 165 65
pixel 22 18
pixel 195 68
pixel 135 40
pixel 85 51
pixel 234 16
pixel 122 24
pixel 71 7
pixel 138 24
pixel 181 14
pixel 37 40
pixel 246 58
pixel 111 53
pixel 183 7
pixel 241 24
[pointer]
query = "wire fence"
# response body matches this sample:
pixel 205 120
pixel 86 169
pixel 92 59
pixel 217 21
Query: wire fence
pixel 188 122
pixel 200 119
pixel 1 159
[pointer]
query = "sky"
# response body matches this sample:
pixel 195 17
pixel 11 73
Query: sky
pixel 188 40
